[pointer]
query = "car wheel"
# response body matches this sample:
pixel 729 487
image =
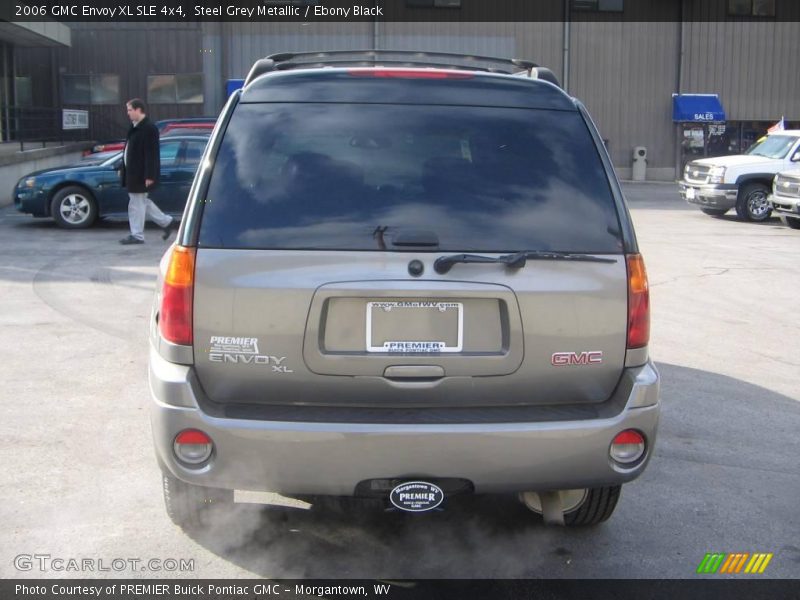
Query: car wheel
pixel 73 207
pixel 581 507
pixel 714 212
pixel 752 204
pixel 191 506
pixel 790 222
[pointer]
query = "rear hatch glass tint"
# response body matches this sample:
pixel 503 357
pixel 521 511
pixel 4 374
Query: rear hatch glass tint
pixel 401 177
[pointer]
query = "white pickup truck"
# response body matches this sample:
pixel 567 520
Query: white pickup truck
pixel 741 181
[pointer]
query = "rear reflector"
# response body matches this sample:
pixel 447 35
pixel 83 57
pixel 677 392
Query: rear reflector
pixel 409 74
pixel 627 447
pixel 192 436
pixel 193 446
pixel 638 303
pixel 175 316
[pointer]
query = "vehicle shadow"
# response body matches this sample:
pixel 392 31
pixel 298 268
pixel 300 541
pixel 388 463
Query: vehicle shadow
pixel 769 222
pixel 708 464
pixel 48 224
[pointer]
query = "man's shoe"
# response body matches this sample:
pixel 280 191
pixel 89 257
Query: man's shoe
pixel 173 225
pixel 130 240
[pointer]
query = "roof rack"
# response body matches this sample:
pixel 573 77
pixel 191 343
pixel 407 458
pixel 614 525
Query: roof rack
pixel 407 58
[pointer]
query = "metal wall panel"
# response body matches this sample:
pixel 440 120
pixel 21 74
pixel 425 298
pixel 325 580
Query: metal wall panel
pixel 486 39
pixel 133 51
pixel 625 74
pixel 247 42
pixel 230 49
pixel 539 42
pixel 751 65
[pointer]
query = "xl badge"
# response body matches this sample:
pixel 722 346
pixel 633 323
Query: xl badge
pixel 243 350
pixel 417 496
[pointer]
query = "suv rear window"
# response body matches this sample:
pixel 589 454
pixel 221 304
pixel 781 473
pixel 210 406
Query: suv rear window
pixel 364 176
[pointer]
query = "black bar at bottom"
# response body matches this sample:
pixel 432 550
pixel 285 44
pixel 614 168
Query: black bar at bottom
pixel 527 589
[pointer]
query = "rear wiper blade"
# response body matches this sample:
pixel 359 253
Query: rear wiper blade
pixel 444 263
pixel 517 260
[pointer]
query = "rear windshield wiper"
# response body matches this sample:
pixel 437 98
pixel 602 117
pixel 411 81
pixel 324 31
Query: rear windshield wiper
pixel 517 260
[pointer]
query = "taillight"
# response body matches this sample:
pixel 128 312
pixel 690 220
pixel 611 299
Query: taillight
pixel 193 446
pixel 627 447
pixel 638 303
pixel 409 74
pixel 175 317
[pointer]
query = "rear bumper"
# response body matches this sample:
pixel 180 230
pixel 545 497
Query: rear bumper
pixel 720 196
pixel 332 458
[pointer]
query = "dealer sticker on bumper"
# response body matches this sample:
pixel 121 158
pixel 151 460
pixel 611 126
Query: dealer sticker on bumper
pixel 417 496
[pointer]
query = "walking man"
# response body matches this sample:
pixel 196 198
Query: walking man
pixel 140 173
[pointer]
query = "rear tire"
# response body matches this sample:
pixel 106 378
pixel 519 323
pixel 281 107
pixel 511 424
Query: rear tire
pixel 192 506
pixel 714 212
pixel 73 207
pixel 597 506
pixel 790 222
pixel 752 204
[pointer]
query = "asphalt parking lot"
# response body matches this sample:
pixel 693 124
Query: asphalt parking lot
pixel 80 479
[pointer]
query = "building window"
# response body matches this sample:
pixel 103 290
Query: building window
pixel 175 89
pixel 24 91
pixel 105 89
pixel 751 8
pixel 189 88
pixel 598 5
pixel 76 89
pixel 90 89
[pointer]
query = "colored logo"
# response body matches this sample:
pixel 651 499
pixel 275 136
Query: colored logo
pixel 739 562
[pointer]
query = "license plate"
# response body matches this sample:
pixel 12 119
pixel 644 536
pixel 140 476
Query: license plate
pixel 689 193
pixel 415 326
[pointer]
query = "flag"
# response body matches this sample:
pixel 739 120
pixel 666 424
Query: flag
pixel 779 126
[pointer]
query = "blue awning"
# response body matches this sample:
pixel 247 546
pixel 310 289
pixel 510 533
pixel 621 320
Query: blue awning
pixel 697 108
pixel 232 85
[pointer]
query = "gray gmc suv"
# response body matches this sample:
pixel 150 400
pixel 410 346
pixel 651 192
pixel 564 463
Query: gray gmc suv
pixel 402 277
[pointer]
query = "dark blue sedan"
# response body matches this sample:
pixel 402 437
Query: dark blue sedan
pixel 77 195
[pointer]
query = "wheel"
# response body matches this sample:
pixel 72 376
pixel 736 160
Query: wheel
pixel 790 222
pixel 73 207
pixel 581 507
pixel 752 204
pixel 715 212
pixel 191 506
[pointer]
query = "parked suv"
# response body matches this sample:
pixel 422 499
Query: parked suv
pixel 741 181
pixel 785 198
pixel 401 284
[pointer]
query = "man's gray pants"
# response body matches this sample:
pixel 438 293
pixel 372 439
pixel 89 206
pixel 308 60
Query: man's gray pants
pixel 140 208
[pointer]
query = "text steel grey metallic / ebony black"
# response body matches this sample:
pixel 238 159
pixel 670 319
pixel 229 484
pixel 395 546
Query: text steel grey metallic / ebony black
pixel 402 283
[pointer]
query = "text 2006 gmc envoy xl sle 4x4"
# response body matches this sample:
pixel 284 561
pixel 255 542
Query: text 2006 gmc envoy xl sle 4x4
pixel 403 284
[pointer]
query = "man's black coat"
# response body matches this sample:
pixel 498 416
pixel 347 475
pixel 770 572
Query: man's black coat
pixel 143 157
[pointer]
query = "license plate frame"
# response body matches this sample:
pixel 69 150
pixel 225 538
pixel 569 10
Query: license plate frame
pixel 416 347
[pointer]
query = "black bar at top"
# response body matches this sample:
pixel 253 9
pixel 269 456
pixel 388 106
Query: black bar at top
pixel 343 11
